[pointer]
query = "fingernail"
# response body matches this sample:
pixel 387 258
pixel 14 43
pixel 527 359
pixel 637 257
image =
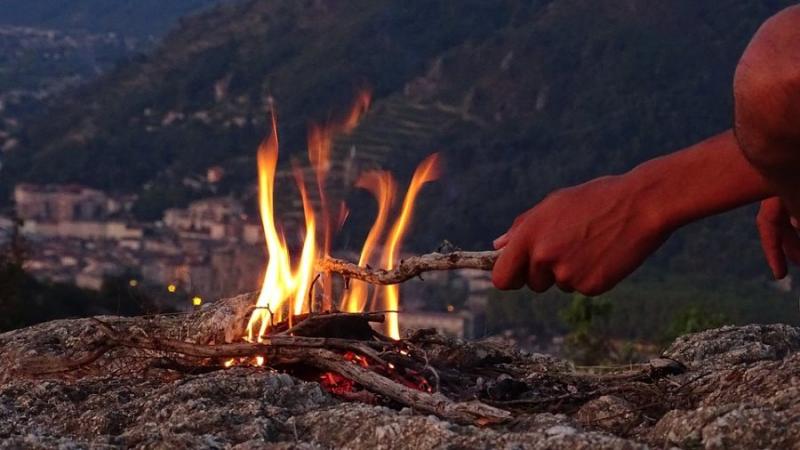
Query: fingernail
pixel 795 222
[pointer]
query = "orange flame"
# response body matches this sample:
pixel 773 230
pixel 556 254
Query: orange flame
pixel 359 108
pixel 281 283
pixel 320 142
pixel 308 256
pixel 428 170
pixel 285 287
pixel 381 185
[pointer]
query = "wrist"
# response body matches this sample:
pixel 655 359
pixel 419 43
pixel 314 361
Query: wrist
pixel 655 204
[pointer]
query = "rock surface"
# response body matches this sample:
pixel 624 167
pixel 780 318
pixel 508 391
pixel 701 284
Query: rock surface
pixel 742 391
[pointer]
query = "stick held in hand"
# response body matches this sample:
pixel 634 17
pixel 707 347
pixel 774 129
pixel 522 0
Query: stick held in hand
pixel 411 267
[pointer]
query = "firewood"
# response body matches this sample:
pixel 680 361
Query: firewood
pixel 411 267
pixel 283 351
pixel 337 325
pixel 471 412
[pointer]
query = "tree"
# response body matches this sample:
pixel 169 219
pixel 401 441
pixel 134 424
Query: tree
pixel 586 342
pixel 12 276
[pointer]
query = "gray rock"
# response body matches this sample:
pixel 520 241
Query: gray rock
pixel 735 345
pixel 740 389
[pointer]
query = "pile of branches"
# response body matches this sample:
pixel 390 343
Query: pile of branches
pixel 462 382
pixel 478 383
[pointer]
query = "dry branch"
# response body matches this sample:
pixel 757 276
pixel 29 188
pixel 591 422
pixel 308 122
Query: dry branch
pixel 286 351
pixel 472 412
pixel 411 267
pixel 49 366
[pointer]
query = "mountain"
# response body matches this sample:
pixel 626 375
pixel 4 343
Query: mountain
pixel 129 18
pixel 522 97
pixel 49 46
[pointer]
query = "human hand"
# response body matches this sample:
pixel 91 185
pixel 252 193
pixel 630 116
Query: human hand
pixel 586 238
pixel 779 236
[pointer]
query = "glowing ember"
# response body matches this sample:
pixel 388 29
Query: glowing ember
pixel 335 383
pixel 286 283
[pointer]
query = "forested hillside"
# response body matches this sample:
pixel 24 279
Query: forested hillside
pixel 522 97
pixel 50 46
pixel 130 18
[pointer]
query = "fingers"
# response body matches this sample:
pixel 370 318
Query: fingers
pixel 561 275
pixel 511 267
pixel 540 274
pixel 504 239
pixel 501 242
pixel 772 233
pixel 516 266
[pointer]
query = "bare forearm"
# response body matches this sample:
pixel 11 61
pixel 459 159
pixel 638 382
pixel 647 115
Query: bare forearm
pixel 705 179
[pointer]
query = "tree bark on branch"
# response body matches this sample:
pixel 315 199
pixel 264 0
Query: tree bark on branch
pixel 411 267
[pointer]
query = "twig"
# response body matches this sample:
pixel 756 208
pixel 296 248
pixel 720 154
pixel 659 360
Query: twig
pixel 311 294
pixel 49 366
pixel 471 412
pixel 411 267
pixel 281 351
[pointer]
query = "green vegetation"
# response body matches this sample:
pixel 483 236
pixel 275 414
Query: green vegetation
pixel 649 309
pixel 692 320
pixel 586 342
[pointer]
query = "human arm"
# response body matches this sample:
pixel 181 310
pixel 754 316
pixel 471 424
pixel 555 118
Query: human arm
pixel 589 237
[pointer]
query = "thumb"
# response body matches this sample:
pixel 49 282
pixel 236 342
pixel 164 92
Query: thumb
pixel 501 241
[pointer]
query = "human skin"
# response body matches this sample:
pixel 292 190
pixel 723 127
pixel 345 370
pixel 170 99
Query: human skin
pixel 589 237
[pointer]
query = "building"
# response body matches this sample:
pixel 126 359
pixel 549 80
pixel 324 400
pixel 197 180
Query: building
pixel 81 230
pixel 215 218
pixel 63 203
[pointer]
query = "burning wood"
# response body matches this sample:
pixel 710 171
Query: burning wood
pixel 363 362
pixel 283 333
pixel 286 284
pixel 158 375
pixel 464 383
pixel 476 383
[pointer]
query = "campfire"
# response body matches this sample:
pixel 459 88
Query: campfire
pixel 285 308
pixel 346 339
pixel 287 290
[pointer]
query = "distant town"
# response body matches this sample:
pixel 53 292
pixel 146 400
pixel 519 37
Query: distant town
pixel 82 236
pixel 208 250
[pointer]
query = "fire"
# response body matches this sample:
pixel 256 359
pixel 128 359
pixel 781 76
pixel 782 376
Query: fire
pixel 320 142
pixel 281 283
pixel 382 186
pixel 287 283
pixel 427 171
